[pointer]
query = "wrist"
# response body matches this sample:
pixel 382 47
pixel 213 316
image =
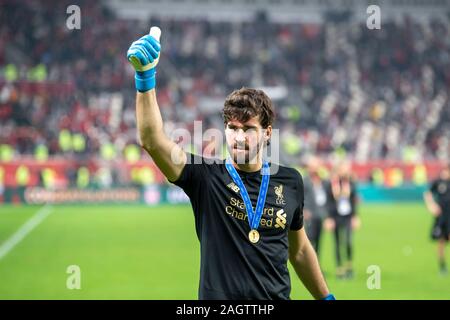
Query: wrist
pixel 329 296
pixel 145 80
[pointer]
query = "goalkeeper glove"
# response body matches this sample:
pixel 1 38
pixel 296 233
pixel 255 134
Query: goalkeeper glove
pixel 143 54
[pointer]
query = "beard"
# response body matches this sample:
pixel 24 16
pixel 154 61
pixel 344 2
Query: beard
pixel 244 154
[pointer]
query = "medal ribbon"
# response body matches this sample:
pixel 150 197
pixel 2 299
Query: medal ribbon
pixel 253 216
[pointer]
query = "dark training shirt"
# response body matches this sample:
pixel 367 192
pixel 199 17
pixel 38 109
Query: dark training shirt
pixel 441 191
pixel 231 266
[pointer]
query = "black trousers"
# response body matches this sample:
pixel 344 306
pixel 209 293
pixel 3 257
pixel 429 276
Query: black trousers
pixel 314 231
pixel 441 226
pixel 343 239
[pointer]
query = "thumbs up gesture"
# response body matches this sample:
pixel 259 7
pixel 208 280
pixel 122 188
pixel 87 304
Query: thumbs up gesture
pixel 144 54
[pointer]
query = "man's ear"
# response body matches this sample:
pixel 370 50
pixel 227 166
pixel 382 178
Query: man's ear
pixel 268 135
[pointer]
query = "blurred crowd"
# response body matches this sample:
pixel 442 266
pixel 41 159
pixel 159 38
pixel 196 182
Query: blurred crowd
pixel 339 88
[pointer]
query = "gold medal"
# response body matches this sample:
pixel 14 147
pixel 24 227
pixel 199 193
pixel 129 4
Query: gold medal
pixel 253 236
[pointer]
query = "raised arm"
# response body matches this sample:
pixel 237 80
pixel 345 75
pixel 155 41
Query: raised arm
pixel 144 55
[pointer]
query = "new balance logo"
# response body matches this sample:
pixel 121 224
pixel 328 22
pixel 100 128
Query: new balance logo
pixel 233 187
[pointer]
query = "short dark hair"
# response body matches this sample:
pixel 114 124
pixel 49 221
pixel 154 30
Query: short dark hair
pixel 247 103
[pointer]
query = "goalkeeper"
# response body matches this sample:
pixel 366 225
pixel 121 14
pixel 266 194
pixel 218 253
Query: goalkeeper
pixel 248 212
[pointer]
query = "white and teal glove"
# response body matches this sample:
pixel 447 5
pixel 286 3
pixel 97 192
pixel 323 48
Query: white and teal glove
pixel 143 54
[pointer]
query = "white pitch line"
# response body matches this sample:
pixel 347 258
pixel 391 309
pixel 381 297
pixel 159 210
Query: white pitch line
pixel 26 228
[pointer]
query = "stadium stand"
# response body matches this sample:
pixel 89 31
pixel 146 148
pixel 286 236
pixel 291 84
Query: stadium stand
pixel 340 88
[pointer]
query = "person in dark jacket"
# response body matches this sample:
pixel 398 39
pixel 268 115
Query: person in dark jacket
pixel 437 200
pixel 342 209
pixel 315 209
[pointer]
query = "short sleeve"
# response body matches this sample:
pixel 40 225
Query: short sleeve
pixel 191 178
pixel 193 181
pixel 297 220
pixel 434 186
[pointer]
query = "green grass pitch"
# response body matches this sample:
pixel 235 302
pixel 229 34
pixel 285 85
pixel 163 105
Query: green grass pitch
pixel 137 252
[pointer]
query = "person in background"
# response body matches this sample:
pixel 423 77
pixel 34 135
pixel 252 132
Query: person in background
pixel 437 200
pixel 315 210
pixel 342 209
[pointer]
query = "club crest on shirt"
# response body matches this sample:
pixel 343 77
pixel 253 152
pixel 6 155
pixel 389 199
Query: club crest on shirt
pixel 233 187
pixel 279 193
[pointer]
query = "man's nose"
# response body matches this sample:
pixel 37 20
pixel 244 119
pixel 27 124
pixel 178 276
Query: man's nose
pixel 240 136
